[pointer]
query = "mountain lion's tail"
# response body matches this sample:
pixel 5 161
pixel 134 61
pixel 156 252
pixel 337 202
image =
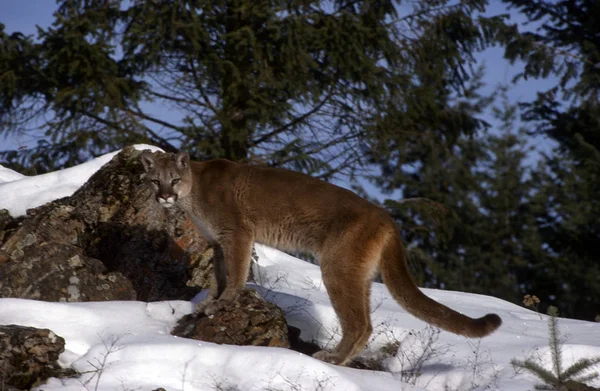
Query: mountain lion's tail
pixel 396 277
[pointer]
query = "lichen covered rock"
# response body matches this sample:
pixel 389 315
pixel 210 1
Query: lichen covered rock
pixel 249 320
pixel 108 241
pixel 28 356
pixel 60 272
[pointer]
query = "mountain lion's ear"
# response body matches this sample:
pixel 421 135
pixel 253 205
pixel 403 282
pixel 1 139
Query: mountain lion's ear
pixel 182 159
pixel 148 161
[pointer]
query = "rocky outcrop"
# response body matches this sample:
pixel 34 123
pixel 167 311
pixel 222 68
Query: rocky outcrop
pixel 108 241
pixel 111 241
pixel 7 226
pixel 59 272
pixel 249 320
pixel 28 356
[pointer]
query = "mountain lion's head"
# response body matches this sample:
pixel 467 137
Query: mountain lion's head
pixel 167 175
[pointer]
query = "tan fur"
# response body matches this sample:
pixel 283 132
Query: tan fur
pixel 235 205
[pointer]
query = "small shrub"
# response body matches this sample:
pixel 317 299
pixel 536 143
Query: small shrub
pixel 558 378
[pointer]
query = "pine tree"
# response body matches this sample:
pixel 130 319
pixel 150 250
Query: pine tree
pixel 506 244
pixel 303 84
pixel 566 45
pixel 488 240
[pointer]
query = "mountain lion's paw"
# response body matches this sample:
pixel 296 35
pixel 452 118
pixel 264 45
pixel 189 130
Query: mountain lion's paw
pixel 215 306
pixel 201 307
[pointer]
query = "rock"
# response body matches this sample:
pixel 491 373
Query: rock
pixel 111 230
pixel 60 272
pixel 5 221
pixel 7 226
pixel 28 356
pixel 201 269
pixel 249 320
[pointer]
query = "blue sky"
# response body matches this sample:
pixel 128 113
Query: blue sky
pixel 25 15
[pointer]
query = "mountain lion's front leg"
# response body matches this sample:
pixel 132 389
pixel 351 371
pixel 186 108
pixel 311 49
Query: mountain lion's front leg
pixel 237 253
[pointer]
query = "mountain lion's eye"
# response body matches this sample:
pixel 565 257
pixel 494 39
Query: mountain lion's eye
pixel 156 182
pixel 175 181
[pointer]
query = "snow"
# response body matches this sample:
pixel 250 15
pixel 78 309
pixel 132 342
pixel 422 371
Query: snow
pixel 127 345
pixel 8 175
pixel 20 192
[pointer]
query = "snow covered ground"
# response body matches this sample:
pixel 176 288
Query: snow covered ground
pixel 127 345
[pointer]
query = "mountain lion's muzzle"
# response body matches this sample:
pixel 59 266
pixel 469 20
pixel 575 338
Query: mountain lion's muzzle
pixel 166 199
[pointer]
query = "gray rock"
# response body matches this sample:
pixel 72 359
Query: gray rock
pixel 249 320
pixel 28 356
pixel 108 241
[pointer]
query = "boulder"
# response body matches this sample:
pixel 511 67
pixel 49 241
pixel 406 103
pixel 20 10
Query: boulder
pixel 7 226
pixel 109 241
pixel 249 320
pixel 28 356
pixel 60 272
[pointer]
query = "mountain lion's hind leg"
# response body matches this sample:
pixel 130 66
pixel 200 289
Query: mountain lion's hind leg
pixel 348 286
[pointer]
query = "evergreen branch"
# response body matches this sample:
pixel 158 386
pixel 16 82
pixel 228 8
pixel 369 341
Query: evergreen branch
pixel 171 98
pixel 168 86
pixel 431 210
pixel 190 102
pixel 292 123
pixel 566 53
pixel 157 121
pixel 11 121
pixel 547 376
pixel 155 138
pixel 586 378
pixel 421 13
pixel 579 367
pixel 349 161
pixel 160 141
pixel 319 148
pixel 103 121
pixel 554 339
pixel 198 85
pixel 347 6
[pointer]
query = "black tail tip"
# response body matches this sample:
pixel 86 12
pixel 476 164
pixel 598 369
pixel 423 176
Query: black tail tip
pixel 491 323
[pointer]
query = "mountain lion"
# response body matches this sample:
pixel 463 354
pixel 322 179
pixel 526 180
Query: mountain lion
pixel 235 205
